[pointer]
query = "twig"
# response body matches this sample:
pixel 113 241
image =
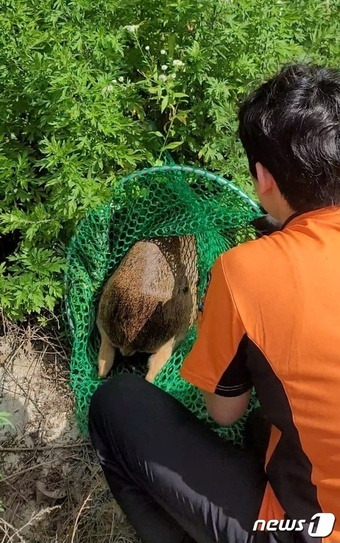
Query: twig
pixel 80 512
pixel 23 389
pixel 34 518
pixel 12 528
pixel 16 491
pixel 4 322
pixel 14 351
pixel 22 472
pixel 41 449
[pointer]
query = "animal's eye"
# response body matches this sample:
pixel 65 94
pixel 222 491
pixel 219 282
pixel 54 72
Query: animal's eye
pixel 185 290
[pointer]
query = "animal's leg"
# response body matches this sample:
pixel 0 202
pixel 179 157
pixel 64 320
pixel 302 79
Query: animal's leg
pixel 106 355
pixel 159 359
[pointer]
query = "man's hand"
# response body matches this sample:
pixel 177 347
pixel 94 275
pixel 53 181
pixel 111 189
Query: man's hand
pixel 226 410
pixel 265 225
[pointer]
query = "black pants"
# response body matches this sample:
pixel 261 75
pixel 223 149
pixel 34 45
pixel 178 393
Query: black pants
pixel 174 478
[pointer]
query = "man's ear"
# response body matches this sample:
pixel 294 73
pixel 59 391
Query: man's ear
pixel 265 180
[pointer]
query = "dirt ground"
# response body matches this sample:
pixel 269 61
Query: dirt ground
pixel 52 489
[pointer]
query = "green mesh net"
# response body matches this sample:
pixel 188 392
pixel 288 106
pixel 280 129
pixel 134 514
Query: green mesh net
pixel 155 202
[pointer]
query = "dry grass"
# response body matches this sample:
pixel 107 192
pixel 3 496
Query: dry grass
pixel 53 490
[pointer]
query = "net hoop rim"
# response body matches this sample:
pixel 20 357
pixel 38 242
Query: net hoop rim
pixel 159 169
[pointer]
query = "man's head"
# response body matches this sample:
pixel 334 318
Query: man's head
pixel 290 129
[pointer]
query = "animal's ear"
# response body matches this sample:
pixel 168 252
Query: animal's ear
pixel 265 225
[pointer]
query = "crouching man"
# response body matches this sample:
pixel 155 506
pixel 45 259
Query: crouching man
pixel 271 320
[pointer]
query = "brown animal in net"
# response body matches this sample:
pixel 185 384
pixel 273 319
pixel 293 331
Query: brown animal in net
pixel 149 302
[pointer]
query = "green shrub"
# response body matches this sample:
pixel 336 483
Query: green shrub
pixel 93 90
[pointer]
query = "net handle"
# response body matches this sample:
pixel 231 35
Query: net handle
pixel 197 171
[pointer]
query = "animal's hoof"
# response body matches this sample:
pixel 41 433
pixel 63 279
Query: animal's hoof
pixel 104 367
pixel 150 378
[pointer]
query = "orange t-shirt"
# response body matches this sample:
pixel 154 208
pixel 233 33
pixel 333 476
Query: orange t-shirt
pixel 271 320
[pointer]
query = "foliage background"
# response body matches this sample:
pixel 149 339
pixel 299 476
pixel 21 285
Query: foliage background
pixel 92 90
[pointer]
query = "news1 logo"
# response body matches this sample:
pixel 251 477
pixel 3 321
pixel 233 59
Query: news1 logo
pixel 320 525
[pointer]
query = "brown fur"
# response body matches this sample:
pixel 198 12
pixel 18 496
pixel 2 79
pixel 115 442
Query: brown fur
pixel 150 301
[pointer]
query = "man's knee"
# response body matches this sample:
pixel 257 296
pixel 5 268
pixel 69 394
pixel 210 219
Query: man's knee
pixel 113 391
pixel 115 396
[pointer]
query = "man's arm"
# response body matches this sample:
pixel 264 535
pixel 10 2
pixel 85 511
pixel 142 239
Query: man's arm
pixel 217 363
pixel 226 410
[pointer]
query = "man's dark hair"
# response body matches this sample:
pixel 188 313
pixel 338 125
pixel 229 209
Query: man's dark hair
pixel 291 125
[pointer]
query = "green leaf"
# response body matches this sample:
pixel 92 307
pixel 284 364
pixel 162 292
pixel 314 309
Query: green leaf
pixel 164 103
pixel 5 419
pixel 172 145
